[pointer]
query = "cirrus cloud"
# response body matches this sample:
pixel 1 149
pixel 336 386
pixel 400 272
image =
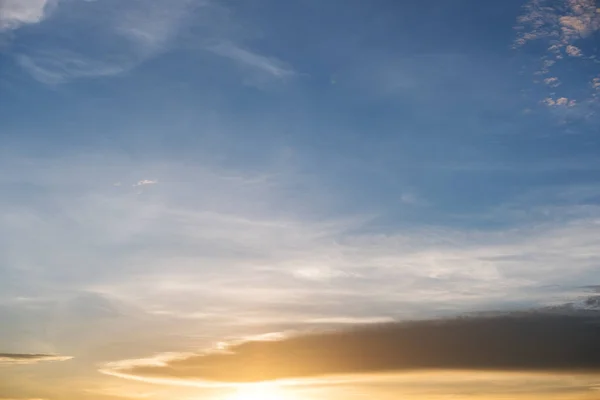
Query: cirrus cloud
pixel 20 358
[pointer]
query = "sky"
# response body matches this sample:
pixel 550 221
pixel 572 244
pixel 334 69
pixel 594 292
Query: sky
pixel 198 195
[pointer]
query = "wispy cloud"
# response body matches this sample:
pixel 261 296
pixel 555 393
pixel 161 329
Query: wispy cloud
pixel 413 272
pixel 59 66
pixel 17 359
pixel 248 59
pixel 226 255
pixel 151 25
pixel 129 34
pixel 15 13
pixel 145 182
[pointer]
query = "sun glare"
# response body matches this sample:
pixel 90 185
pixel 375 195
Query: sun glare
pixel 260 392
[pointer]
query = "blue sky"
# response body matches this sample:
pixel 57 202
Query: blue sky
pixel 178 172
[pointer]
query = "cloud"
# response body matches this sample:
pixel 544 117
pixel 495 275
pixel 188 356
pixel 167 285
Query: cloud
pixel 129 34
pixel 559 102
pixel 126 35
pixel 248 59
pixel 227 256
pixel 152 24
pixel 221 252
pixel 574 51
pixel 512 342
pixel 18 359
pixel 566 20
pixel 583 23
pixel 552 81
pixel 560 27
pixel 59 66
pixel 145 182
pixel 16 13
pixel 20 398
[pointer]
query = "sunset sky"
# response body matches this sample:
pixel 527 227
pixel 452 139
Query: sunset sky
pixel 249 199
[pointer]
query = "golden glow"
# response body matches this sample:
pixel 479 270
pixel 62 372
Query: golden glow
pixel 260 392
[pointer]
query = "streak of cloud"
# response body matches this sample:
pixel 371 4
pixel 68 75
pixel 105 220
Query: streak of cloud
pixel 145 182
pixel 18 359
pixel 4 398
pixel 512 342
pixel 59 66
pixel 245 57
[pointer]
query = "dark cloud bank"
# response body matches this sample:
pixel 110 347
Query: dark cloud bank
pixel 528 341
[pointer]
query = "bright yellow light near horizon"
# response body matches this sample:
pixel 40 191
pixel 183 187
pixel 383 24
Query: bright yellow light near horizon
pixel 261 392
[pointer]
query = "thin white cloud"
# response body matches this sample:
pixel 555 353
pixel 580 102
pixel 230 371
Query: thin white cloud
pixel 20 359
pixel 255 61
pixel 145 182
pixel 124 38
pixel 130 34
pixel 59 66
pixel 316 273
pixel 151 25
pixel 16 13
pixel 428 269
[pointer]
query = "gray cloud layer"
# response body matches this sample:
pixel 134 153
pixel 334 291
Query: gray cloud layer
pixel 520 341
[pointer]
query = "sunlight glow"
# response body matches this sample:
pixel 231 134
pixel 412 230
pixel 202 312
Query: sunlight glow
pixel 260 392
